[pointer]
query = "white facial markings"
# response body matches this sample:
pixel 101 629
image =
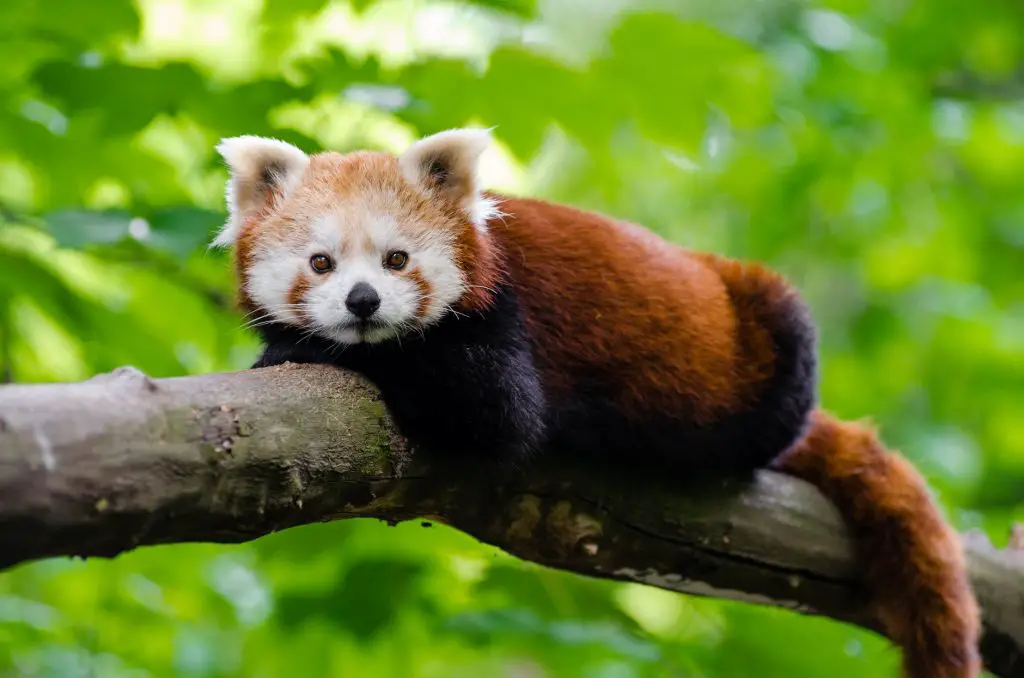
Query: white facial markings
pixel 358 236
pixel 432 254
pixel 325 236
pixel 446 281
pixel 272 275
pixel 367 239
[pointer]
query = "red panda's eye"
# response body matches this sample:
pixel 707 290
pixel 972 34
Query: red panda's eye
pixel 321 263
pixel 396 260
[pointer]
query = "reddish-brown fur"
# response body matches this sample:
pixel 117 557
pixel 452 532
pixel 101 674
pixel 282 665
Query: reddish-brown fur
pixel 482 267
pixel 243 260
pixel 297 296
pixel 423 285
pixel 596 291
pixel 671 331
pixel 251 232
pixel 913 565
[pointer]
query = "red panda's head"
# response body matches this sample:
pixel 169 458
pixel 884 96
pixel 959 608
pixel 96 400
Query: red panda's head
pixel 360 247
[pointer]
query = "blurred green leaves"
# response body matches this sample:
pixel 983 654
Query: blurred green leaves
pixel 870 150
pixel 69 24
pixel 179 230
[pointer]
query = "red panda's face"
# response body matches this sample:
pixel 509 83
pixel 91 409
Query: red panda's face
pixel 355 248
pixel 354 253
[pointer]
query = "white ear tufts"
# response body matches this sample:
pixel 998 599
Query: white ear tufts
pixel 446 165
pixel 483 209
pixel 247 153
pixel 227 235
pixel 257 165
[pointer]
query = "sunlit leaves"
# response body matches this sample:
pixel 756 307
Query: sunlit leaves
pixel 68 22
pixel 697 68
pixel 524 8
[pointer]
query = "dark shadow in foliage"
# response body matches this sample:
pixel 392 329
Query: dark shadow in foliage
pixel 379 589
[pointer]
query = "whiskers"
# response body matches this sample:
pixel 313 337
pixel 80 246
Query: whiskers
pixel 406 327
pixel 336 337
pixel 268 315
pixel 483 287
pixel 445 308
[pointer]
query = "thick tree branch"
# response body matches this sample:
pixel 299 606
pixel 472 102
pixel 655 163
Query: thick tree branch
pixel 120 461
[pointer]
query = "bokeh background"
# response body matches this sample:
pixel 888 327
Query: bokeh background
pixel 871 149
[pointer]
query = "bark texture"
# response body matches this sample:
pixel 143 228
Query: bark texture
pixel 120 461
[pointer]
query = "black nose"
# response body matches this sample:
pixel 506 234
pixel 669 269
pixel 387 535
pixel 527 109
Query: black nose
pixel 362 301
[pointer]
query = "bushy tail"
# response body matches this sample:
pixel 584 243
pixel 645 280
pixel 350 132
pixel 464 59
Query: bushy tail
pixel 912 560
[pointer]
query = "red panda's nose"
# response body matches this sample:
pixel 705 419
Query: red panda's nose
pixel 363 301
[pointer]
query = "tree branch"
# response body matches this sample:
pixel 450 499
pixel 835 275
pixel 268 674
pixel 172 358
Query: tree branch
pixel 103 466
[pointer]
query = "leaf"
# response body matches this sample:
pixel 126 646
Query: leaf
pixel 552 594
pixel 522 8
pixel 494 626
pixel 244 109
pixel 178 230
pixel 518 8
pixel 182 230
pixel 669 72
pixel 70 21
pixel 125 97
pixel 377 588
pixel 334 70
pixel 77 228
pixel 360 6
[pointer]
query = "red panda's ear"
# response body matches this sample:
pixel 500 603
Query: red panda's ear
pixel 258 166
pixel 445 164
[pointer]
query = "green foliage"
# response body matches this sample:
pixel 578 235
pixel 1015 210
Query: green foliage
pixel 870 149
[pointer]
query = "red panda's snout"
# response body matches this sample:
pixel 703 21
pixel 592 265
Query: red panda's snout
pixel 362 301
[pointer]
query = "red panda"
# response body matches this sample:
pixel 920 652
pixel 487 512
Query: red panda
pixel 500 328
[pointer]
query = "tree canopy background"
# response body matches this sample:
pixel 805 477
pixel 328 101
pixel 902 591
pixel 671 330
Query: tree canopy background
pixel 871 149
